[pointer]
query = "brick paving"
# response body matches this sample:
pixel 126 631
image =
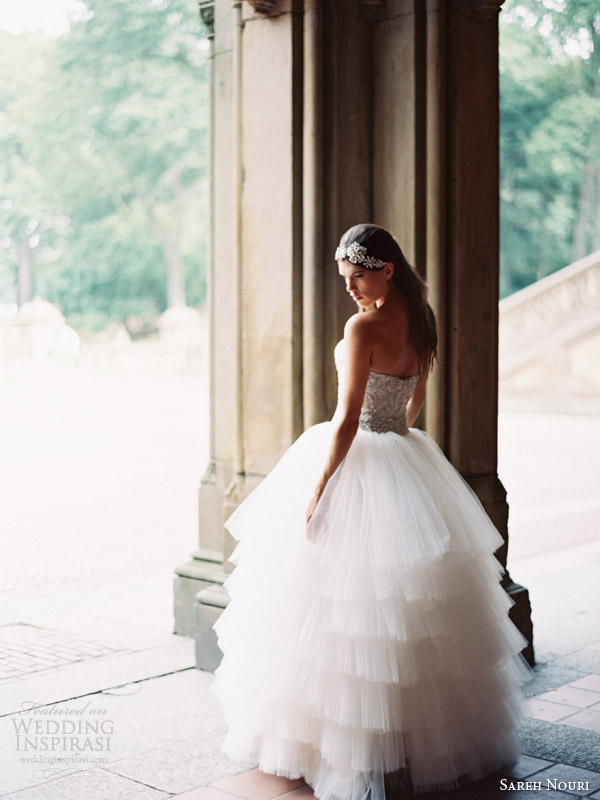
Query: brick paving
pixel 27 648
pixel 569 705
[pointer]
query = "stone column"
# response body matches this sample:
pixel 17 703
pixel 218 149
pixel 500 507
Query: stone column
pixel 472 271
pixel 205 566
pixel 255 285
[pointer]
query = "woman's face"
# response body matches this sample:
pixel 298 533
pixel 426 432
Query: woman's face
pixel 365 286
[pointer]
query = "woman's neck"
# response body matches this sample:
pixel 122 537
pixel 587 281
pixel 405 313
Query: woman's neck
pixel 391 294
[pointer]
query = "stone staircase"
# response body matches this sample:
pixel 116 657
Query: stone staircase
pixel 549 352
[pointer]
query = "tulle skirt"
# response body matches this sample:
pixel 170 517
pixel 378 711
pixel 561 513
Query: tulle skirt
pixel 377 642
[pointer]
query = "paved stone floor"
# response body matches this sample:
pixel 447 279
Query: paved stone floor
pixel 26 648
pixel 100 701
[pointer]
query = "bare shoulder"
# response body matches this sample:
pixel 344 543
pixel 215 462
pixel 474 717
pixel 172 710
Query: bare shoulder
pixel 359 327
pixel 358 336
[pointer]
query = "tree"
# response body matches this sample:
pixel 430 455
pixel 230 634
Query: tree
pixel 116 128
pixel 550 109
pixel 30 227
pixel 575 28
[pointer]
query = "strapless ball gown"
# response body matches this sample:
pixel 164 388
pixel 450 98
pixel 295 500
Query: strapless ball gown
pixel 380 644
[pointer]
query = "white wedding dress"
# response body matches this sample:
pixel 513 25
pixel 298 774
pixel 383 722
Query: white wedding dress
pixel 380 643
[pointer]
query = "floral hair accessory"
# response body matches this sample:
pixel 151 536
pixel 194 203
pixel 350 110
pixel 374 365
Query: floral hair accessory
pixel 356 253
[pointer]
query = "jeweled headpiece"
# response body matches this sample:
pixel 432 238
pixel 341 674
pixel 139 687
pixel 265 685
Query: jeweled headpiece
pixel 356 253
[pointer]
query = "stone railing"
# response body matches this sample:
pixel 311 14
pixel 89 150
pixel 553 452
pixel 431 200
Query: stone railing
pixel 551 313
pixel 37 333
pixel 550 343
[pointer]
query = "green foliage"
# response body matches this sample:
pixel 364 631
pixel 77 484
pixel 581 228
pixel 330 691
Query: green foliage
pixel 104 141
pixel 550 113
pixel 27 217
pixel 102 152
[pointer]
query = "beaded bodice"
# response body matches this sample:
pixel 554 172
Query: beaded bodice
pixel 386 398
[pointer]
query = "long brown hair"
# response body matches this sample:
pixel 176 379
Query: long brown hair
pixel 421 319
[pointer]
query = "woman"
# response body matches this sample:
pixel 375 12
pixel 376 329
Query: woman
pixel 367 639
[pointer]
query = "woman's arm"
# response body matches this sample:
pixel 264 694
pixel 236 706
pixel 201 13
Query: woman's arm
pixel 415 404
pixel 357 367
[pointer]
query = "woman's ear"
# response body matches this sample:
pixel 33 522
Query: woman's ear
pixel 389 269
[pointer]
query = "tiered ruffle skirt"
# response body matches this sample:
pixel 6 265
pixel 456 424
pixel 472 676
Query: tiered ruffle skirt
pixel 379 644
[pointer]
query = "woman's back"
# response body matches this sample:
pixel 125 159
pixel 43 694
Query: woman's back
pixel 387 329
pixel 385 400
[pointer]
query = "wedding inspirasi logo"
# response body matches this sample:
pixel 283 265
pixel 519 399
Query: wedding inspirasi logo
pixel 63 736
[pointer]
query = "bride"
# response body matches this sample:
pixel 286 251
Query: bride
pixel 367 640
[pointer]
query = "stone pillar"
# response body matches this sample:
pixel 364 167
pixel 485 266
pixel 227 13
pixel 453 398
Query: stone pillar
pixel 326 114
pixel 255 284
pixel 472 270
pixel 205 566
pixel 271 239
pixel 436 86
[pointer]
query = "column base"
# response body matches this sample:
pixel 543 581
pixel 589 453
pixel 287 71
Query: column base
pixel 520 614
pixel 203 570
pixel 210 602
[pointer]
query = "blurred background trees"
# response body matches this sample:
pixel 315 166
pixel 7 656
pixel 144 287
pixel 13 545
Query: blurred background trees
pixel 103 163
pixel 550 136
